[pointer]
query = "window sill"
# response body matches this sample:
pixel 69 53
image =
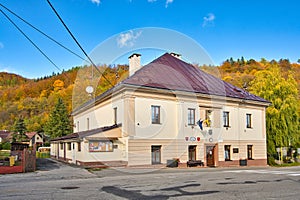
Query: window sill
pixel 156 123
pixel 228 160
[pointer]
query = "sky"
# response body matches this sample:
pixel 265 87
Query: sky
pixel 213 29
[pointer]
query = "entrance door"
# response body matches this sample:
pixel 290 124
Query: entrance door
pixel 192 152
pixel 210 160
pixel 156 154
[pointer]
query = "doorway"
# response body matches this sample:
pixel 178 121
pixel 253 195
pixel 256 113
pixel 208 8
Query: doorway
pixel 156 154
pixel 210 156
pixel 192 152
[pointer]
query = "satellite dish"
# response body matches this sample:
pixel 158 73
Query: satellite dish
pixel 89 89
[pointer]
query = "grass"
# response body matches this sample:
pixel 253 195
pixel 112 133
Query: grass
pixel 288 164
pixel 4 154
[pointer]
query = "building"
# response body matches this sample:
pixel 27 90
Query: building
pixel 4 134
pixel 164 110
pixel 35 139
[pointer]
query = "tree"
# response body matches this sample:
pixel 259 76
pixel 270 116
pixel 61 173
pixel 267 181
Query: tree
pixel 58 123
pixel 282 117
pixel 19 131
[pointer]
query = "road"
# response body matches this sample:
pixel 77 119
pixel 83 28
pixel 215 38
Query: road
pixel 54 180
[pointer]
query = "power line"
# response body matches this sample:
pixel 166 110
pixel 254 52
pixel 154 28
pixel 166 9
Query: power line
pixel 61 20
pixel 16 26
pixel 52 39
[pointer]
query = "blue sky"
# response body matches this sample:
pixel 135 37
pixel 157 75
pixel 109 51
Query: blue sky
pixel 232 28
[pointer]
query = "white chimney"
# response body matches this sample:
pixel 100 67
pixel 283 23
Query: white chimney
pixel 134 63
pixel 176 55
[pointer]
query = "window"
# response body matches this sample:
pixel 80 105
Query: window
pixel 69 146
pixel 227 152
pixel 208 114
pixel 155 112
pixel 61 146
pixel 248 121
pixel 78 146
pixel 115 115
pixel 191 116
pixel 156 154
pixel 87 123
pixel 249 152
pixel 226 119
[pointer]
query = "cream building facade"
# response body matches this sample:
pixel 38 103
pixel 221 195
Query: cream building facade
pixel 167 110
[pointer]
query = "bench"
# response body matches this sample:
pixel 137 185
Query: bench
pixel 194 163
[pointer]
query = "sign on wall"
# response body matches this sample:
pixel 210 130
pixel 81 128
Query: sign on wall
pixel 101 146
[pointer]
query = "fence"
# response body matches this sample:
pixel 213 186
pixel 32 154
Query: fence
pixel 18 161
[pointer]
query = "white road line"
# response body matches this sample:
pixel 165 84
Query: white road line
pixel 289 173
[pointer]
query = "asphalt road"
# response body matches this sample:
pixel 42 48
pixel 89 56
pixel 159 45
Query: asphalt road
pixel 54 180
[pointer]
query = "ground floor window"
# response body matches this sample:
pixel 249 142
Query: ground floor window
pixel 192 152
pixel 69 146
pixel 78 146
pixel 156 154
pixel 249 152
pixel 227 152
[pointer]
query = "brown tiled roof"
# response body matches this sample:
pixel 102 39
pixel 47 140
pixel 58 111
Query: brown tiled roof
pixel 168 72
pixel 83 134
pixel 4 134
pixel 31 134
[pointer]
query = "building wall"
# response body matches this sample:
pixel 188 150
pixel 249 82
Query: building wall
pixel 139 152
pixel 99 116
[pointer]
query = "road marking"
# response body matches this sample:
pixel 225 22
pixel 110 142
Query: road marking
pixel 262 171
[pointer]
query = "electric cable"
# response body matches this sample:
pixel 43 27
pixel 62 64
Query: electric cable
pixel 76 41
pixel 24 34
pixel 43 33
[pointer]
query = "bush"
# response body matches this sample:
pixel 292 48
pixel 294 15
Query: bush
pixel 271 161
pixel 6 146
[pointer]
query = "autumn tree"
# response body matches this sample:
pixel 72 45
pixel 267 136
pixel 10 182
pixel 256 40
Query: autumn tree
pixel 282 117
pixel 59 123
pixel 19 131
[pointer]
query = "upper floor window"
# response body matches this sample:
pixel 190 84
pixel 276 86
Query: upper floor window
pixel 115 115
pixel 248 120
pixel 226 118
pixel 191 116
pixel 155 114
pixel 208 117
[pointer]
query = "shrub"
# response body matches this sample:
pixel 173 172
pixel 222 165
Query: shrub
pixel 6 146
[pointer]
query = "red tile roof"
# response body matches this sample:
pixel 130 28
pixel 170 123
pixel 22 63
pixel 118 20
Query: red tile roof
pixel 168 72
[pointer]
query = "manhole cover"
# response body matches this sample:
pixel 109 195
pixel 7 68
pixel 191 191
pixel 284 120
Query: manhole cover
pixel 69 188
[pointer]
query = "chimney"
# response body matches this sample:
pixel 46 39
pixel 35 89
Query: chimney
pixel 134 63
pixel 176 55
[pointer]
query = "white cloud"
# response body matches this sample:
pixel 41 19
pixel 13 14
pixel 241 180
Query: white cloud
pixel 208 20
pixel 128 39
pixel 1 45
pixel 96 2
pixel 168 2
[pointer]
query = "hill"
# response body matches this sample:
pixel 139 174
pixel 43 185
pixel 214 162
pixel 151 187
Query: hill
pixel 34 99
